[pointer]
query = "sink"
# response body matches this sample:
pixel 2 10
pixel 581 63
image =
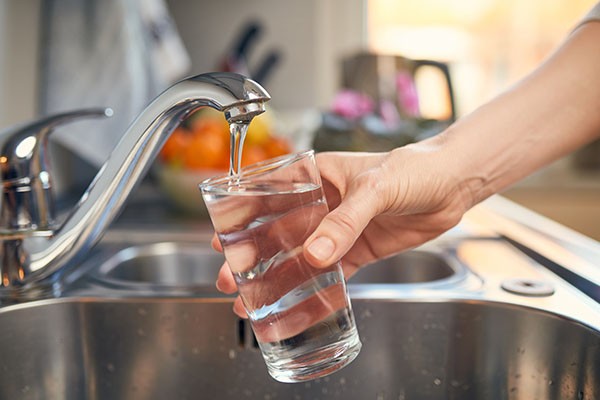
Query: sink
pixel 179 265
pixel 411 267
pixel 161 266
pixel 175 348
pixel 143 320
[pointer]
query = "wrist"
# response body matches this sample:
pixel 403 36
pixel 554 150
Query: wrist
pixel 435 177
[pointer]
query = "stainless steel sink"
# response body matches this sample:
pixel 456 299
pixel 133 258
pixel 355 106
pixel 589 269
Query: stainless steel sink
pixel 411 267
pixel 179 266
pixel 161 266
pixel 143 320
pixel 196 348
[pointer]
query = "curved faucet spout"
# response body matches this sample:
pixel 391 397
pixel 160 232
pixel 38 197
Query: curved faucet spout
pixel 238 97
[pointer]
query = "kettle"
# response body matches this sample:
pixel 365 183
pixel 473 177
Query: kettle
pixel 392 78
pixel 380 106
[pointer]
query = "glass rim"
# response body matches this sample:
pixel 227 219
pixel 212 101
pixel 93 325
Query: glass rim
pixel 257 169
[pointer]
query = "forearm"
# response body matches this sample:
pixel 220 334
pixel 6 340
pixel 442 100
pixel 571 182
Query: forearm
pixel 550 113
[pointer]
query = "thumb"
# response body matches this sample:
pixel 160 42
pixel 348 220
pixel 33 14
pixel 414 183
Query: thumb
pixel 338 231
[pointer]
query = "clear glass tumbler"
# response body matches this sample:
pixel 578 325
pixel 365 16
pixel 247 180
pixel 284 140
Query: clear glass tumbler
pixel 301 315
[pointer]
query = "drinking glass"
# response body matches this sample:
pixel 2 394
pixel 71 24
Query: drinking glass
pixel 301 315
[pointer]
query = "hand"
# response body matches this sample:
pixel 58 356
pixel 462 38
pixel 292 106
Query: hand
pixel 382 204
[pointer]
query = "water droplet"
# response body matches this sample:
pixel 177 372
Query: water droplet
pixel 550 382
pixel 454 383
pixel 174 353
pixel 195 350
pixel 326 379
pixel 110 367
pixel 231 354
pixel 142 311
pixel 342 381
pixel 248 392
pixel 437 381
pixel 221 338
pixel 267 397
pixel 380 396
pixel 141 332
pixel 25 389
pixel 324 390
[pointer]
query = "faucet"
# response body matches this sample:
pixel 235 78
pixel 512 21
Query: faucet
pixel 34 252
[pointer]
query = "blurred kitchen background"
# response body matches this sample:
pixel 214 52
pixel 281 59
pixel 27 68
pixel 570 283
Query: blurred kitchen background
pixel 343 74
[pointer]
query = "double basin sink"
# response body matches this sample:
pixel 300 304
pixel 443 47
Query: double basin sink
pixel 460 318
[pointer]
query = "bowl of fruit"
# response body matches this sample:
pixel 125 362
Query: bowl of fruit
pixel 199 149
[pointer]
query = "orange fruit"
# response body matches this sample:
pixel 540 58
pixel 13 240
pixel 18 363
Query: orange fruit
pixel 277 146
pixel 253 154
pixel 173 148
pixel 205 151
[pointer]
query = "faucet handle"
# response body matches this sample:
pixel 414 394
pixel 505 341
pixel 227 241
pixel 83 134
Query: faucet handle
pixel 26 203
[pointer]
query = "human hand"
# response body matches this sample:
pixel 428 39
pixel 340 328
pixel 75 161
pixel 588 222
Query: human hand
pixel 382 204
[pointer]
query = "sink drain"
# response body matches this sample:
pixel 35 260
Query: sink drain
pixel 528 287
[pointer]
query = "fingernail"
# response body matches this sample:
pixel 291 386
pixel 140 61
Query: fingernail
pixel 321 248
pixel 218 287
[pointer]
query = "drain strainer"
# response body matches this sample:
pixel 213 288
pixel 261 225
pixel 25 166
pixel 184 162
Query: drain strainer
pixel 528 287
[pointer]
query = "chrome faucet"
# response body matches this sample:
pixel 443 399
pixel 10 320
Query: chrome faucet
pixel 34 252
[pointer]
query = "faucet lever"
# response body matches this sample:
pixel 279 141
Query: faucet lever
pixel 26 203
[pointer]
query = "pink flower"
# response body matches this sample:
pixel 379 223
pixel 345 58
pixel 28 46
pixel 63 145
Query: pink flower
pixel 352 105
pixel 407 94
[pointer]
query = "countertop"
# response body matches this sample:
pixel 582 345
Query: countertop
pixel 564 193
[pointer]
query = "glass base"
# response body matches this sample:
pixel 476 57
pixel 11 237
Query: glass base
pixel 318 363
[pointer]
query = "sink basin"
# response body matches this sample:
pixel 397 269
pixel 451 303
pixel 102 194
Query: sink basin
pixel 156 266
pixel 197 348
pixel 410 267
pixel 173 265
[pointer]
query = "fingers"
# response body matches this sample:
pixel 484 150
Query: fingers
pixel 216 243
pixel 238 308
pixel 225 281
pixel 226 284
pixel 338 231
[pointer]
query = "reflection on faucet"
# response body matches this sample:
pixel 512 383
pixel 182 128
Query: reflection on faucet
pixel 33 254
